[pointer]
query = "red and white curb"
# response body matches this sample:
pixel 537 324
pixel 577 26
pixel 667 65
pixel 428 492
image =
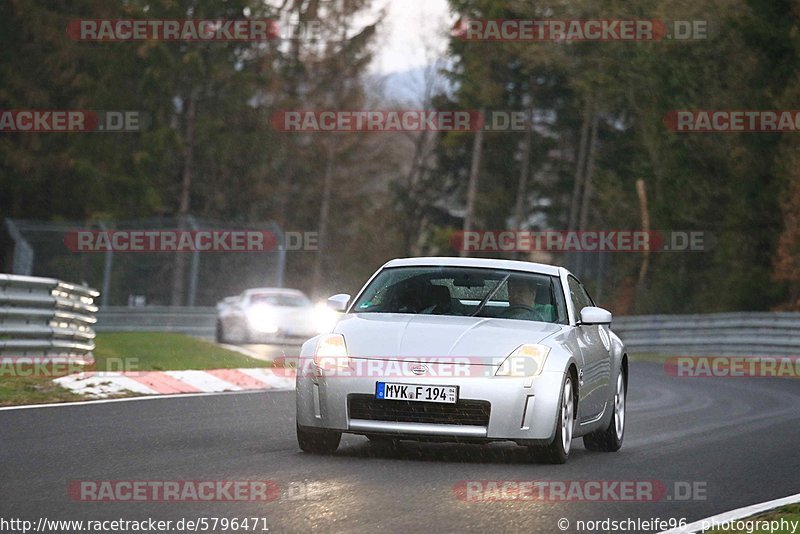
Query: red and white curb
pixel 104 384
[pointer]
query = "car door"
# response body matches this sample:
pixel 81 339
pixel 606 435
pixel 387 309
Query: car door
pixel 593 341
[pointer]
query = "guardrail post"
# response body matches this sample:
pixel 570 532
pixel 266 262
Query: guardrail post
pixel 281 265
pixel 23 251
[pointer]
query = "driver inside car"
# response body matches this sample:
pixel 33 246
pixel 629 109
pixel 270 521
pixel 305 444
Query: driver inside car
pixel 522 301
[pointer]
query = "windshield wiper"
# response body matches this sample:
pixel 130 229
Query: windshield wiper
pixel 489 296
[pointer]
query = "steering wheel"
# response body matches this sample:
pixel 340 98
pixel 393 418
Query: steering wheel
pixel 537 316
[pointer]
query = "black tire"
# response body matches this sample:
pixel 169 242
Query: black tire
pixel 318 441
pixel 238 334
pixel 555 452
pixel 610 438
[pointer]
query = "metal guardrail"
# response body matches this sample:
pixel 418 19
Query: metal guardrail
pixel 46 318
pixel 197 321
pixel 742 333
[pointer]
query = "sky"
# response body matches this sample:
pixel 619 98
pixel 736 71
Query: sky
pixel 409 28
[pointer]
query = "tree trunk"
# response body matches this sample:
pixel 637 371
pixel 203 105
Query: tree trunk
pixel 524 174
pixel 324 213
pixel 412 221
pixel 588 175
pixel 187 174
pixel 579 168
pixel 472 187
pixel 642 193
pixel 586 199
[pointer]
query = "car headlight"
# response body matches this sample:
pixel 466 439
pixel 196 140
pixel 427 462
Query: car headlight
pixel 526 360
pixel 262 319
pixel 331 352
pixel 324 318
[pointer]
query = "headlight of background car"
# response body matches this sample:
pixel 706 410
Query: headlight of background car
pixel 324 318
pixel 526 360
pixel 262 319
pixel 331 352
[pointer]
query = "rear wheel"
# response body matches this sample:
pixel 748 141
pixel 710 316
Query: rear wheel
pixel 557 451
pixel 610 438
pixel 318 440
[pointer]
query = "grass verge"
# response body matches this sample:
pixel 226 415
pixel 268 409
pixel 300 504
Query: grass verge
pixel 120 352
pixel 165 352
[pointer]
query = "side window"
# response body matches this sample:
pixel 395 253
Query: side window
pixel 580 298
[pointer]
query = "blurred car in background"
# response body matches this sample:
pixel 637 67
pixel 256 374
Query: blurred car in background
pixel 272 316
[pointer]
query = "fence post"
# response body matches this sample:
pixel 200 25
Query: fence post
pixel 195 268
pixel 109 261
pixel 23 251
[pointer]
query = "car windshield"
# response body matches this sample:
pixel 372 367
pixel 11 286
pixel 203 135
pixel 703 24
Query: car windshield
pixel 462 291
pixel 285 300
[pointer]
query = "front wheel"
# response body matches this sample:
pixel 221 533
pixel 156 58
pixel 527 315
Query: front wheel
pixel 610 438
pixel 557 451
pixel 238 333
pixel 318 440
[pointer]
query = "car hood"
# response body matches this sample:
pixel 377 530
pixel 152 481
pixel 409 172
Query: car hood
pixel 399 336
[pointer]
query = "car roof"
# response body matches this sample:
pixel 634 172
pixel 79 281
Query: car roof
pixel 486 263
pixel 273 291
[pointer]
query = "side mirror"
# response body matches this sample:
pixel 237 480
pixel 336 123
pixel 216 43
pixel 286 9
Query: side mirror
pixel 592 315
pixel 339 302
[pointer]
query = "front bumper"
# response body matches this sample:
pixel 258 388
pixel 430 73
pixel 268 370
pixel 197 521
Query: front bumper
pixel 521 409
pixel 282 335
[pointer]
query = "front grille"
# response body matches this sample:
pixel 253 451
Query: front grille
pixel 463 412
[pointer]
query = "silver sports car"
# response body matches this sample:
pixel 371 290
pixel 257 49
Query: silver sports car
pixel 466 350
pixel 270 315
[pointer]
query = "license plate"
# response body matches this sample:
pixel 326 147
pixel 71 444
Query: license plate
pixel 416 392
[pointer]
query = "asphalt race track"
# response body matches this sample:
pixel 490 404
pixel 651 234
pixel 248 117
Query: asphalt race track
pixel 737 438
